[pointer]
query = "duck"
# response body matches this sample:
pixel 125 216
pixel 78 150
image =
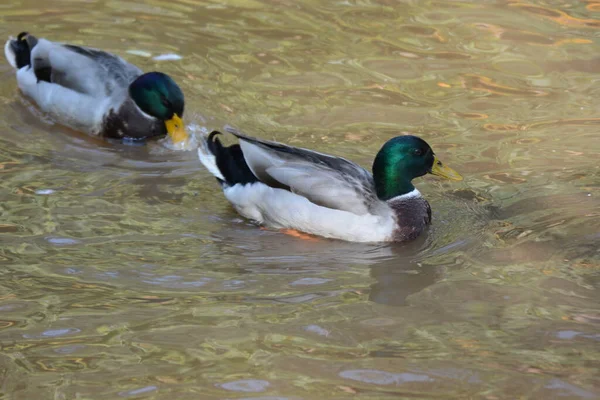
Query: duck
pixel 290 188
pixel 96 92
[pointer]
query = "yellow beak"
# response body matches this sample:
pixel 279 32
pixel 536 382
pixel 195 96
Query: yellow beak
pixel 176 129
pixel 441 170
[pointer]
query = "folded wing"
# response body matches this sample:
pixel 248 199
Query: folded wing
pixel 325 180
pixel 84 70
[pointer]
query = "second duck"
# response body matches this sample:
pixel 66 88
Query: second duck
pixel 96 92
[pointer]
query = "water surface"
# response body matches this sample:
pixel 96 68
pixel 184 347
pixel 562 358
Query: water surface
pixel 125 273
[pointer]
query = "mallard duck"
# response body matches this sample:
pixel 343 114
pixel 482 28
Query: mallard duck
pixel 96 92
pixel 287 187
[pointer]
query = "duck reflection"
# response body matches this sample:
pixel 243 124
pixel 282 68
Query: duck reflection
pixel 395 283
pixel 398 269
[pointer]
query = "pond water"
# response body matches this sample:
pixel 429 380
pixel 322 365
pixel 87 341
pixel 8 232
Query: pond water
pixel 126 274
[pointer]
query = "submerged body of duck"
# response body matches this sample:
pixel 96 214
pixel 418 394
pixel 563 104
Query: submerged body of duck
pixel 288 187
pixel 96 92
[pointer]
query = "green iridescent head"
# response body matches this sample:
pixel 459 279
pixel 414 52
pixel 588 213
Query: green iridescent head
pixel 157 95
pixel 403 159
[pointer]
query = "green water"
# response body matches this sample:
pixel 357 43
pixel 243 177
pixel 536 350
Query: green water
pixel 125 273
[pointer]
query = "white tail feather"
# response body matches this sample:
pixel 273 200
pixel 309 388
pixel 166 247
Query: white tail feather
pixel 9 53
pixel 208 159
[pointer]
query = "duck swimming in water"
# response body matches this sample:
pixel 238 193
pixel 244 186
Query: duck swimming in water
pixel 96 92
pixel 287 187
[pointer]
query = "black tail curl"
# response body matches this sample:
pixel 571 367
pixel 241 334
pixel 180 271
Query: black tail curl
pixel 22 47
pixel 230 161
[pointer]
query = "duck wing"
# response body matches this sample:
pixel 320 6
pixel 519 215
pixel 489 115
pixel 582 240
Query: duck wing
pixel 82 69
pixel 329 181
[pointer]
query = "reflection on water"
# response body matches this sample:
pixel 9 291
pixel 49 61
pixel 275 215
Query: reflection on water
pixel 124 264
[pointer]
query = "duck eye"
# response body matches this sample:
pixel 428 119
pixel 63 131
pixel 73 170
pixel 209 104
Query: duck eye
pixel 418 152
pixel 165 102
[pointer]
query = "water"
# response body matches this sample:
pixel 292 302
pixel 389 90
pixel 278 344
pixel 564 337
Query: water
pixel 125 273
